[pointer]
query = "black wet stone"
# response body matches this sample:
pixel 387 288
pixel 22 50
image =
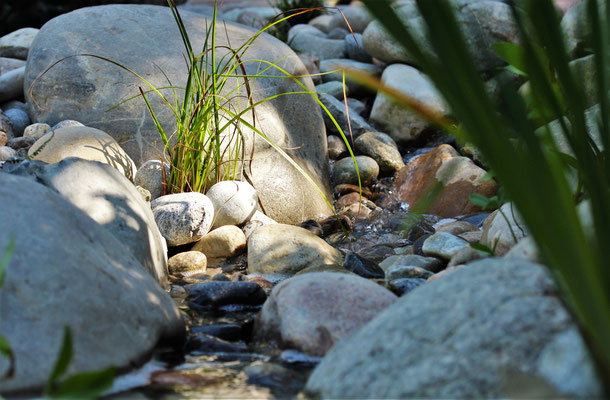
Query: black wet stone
pixel 362 266
pixel 404 285
pixel 476 219
pixel 229 332
pixel 419 244
pixel 216 294
pixel 313 227
pixel 221 278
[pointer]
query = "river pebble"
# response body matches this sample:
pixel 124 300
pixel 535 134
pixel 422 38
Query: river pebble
pixel 223 242
pixel 443 245
pixel 215 294
pixel 363 267
pixel 187 263
pixel 344 170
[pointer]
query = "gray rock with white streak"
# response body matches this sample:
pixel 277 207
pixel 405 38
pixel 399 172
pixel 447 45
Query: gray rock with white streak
pixel 183 217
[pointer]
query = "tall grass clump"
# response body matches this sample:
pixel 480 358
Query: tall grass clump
pixel 518 144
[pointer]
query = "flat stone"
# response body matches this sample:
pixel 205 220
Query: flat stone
pixel 431 264
pixel 320 47
pixel 457 227
pixel 362 266
pixel 459 337
pixel 336 147
pixel 311 312
pixel 183 217
pixel 337 110
pixel 443 245
pixel 216 294
pixel 17 44
pixel 286 249
pixel 82 142
pixel 332 88
pixel 226 241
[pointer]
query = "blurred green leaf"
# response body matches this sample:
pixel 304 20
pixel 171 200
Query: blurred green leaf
pixel 87 385
pixel 62 362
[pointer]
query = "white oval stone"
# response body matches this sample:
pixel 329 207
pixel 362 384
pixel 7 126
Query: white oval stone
pixel 234 202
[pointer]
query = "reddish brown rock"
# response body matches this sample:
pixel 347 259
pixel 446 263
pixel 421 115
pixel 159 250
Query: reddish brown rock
pixel 459 175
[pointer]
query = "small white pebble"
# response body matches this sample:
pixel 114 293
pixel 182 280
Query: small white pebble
pixel 36 131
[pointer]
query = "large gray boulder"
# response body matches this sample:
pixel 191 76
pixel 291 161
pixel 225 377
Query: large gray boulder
pixel 69 271
pixel 464 336
pixel 146 39
pixel 105 195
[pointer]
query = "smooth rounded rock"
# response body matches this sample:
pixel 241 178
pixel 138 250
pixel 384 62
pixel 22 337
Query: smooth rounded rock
pixel 150 177
pixel 311 312
pixel 362 266
pixel 111 200
pixel 459 176
pixel 403 271
pixel 17 44
pixel 223 242
pixel 79 276
pixel 357 124
pixel 83 142
pixel 84 88
pixel 381 148
pixel 460 337
pixel 6 153
pixel 286 249
pixel 66 123
pixel 187 263
pixel 354 48
pixel 397 121
pixel 19 119
pixel 183 217
pixel 344 170
pixel 403 286
pixel 336 147
pixel 335 68
pixel 8 64
pixel 37 130
pixel 443 245
pixel 457 227
pixel 357 16
pixel 320 47
pixel 11 84
pixel 234 202
pixel 333 88
pixel 503 230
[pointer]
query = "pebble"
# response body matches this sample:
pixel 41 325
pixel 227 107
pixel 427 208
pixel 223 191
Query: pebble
pixel 11 84
pixel 216 294
pixel 8 64
pixel 234 202
pixel 337 33
pixel 221 278
pixel 6 153
pixel 341 64
pixel 150 177
pixel 226 241
pixel 363 267
pixel 303 29
pixel 21 142
pixel 404 285
pixel 19 119
pixel 344 170
pixel 324 268
pixel 145 193
pixel 6 126
pixel 355 49
pixel 183 217
pixel 320 47
pixel 457 228
pixel 187 263
pixel 37 130
pixel 382 148
pixel 3 138
pixel 356 105
pixel 405 271
pixel 322 22
pixel 431 264
pixel 336 147
pixel 337 110
pixel 357 16
pixel 346 188
pixel 471 237
pixel 257 220
pixel 497 229
pixel 333 88
pixel 443 245
pixel 349 199
pixel 17 44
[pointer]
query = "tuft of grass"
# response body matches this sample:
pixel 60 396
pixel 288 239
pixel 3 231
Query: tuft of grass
pixel 525 159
